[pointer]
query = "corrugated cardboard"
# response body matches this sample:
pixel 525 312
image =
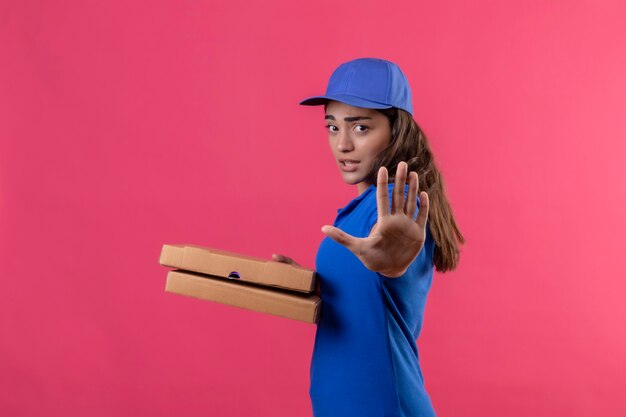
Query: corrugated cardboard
pixel 249 296
pixel 232 265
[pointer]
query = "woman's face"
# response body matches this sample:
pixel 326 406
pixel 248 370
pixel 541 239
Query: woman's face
pixel 356 136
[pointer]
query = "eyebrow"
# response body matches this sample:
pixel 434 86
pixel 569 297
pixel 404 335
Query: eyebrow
pixel 347 119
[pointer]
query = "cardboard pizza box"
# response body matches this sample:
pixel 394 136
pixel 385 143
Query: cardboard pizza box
pixel 267 300
pixel 225 264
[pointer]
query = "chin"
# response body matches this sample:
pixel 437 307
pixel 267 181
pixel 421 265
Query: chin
pixel 353 178
pixel 352 181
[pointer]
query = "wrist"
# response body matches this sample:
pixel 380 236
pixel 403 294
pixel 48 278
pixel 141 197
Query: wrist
pixel 393 274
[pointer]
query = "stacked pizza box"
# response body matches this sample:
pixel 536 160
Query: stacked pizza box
pixel 242 281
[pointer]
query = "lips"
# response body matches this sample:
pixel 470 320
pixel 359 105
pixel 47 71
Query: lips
pixel 348 162
pixel 348 165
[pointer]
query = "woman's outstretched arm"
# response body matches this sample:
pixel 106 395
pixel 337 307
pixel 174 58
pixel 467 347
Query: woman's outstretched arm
pixel 396 239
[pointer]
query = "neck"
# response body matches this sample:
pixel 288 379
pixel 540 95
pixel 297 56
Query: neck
pixel 362 186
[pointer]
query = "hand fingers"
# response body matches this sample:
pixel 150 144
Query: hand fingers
pixel 411 203
pixel 282 258
pixel 398 188
pixel 341 237
pixel 422 215
pixel 382 193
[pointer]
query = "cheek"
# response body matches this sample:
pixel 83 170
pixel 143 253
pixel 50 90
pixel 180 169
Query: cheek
pixel 380 144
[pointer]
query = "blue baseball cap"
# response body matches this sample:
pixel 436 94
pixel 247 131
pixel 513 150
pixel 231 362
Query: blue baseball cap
pixel 372 83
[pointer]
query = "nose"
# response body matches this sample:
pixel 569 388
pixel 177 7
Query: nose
pixel 344 142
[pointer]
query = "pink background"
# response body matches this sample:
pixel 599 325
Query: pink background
pixel 126 125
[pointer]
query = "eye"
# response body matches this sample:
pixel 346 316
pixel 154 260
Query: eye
pixel 331 128
pixel 364 128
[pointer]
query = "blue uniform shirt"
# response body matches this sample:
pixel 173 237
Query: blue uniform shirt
pixel 365 360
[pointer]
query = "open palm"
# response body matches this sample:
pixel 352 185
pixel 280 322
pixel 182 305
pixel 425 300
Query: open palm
pixel 396 239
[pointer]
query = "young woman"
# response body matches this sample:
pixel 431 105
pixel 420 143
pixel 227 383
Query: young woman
pixel 375 267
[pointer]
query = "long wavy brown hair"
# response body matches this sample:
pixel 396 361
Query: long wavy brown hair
pixel 408 143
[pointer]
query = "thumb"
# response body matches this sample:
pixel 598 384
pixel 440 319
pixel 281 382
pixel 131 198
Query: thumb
pixel 340 236
pixel 282 258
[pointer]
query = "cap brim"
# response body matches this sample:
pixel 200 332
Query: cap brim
pixel 344 98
